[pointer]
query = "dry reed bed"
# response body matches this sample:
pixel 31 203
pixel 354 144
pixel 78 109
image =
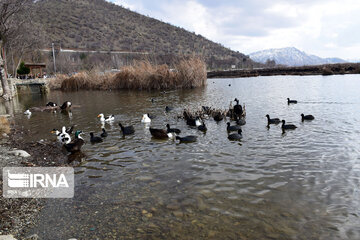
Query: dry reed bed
pixel 4 126
pixel 141 75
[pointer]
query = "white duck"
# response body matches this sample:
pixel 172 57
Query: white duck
pixel 27 112
pixel 145 118
pixel 107 119
pixel 63 136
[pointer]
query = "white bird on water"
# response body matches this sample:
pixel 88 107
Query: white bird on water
pixel 107 119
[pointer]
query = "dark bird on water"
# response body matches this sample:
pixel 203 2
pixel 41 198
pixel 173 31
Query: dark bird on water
pixel 232 128
pixel 202 127
pixel 160 133
pixel 307 117
pixel 193 121
pixel 291 101
pixel 104 133
pixel 51 104
pixel 65 105
pixel 168 109
pixel 238 108
pixel 235 136
pixel 287 126
pixel 127 130
pixel 187 139
pixel 69 130
pixel 172 130
pixel 218 117
pixel 272 120
pixel 95 139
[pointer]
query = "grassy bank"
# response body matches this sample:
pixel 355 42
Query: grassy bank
pixel 142 75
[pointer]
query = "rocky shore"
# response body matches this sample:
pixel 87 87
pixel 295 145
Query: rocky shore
pixel 327 69
pixel 17 214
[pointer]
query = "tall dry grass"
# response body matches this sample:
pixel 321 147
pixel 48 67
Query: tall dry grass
pixel 142 75
pixel 4 126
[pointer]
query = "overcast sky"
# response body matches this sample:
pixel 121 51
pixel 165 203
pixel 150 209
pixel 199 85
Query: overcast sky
pixel 327 28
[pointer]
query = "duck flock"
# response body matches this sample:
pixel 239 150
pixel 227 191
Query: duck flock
pixel 196 120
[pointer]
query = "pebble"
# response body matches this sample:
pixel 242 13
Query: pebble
pixel 178 214
pixel 172 206
pixel 20 153
pixel 7 237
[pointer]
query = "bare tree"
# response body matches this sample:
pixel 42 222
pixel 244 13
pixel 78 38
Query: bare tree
pixel 11 12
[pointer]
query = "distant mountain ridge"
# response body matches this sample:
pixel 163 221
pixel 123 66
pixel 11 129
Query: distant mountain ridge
pixel 291 56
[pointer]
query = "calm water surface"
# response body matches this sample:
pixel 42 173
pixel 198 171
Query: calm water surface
pixel 300 185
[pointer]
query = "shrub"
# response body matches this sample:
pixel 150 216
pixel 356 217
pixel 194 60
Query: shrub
pixel 23 70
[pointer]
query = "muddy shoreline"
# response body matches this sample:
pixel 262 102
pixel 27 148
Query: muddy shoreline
pixel 17 215
pixel 327 69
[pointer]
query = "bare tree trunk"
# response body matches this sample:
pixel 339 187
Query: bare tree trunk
pixel 4 83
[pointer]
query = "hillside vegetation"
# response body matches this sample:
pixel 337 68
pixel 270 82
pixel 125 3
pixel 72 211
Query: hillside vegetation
pixel 101 25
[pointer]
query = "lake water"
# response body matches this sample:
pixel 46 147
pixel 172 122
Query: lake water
pixel 303 184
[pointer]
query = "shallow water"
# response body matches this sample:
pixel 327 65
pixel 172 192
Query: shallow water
pixel 303 184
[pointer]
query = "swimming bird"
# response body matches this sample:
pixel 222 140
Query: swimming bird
pixel 240 121
pixel 69 130
pixel 187 139
pixel 232 128
pixel 65 105
pixel 168 109
pixel 218 117
pixel 104 133
pixel 307 117
pixel 76 145
pixel 291 101
pixel 193 121
pixel 95 139
pixel 145 118
pixel 202 127
pixel 235 136
pixel 160 133
pixel 27 112
pixel 238 108
pixel 51 104
pixel 272 120
pixel 63 136
pixel 287 126
pixel 172 130
pixel 127 130
pixel 107 119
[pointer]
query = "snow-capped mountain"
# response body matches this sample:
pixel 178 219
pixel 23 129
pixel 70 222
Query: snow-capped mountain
pixel 291 56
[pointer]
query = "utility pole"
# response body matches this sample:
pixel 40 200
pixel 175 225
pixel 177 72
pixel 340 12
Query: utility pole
pixel 53 51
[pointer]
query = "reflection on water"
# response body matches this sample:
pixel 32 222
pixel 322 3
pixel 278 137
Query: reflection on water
pixel 303 184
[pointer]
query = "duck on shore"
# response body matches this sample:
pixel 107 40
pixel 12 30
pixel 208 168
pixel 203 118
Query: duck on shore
pixel 76 145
